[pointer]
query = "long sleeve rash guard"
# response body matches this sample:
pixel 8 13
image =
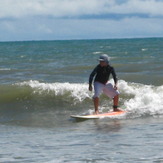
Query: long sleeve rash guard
pixel 102 74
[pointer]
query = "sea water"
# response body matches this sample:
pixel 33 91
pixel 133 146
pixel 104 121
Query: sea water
pixel 44 82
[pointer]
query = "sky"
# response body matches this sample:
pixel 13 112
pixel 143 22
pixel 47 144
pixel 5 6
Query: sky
pixel 22 20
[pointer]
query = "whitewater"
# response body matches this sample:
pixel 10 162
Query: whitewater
pixel 138 99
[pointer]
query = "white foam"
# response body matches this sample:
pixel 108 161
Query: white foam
pixel 98 52
pixel 76 90
pixel 5 69
pixel 147 99
pixel 139 99
pixel 144 49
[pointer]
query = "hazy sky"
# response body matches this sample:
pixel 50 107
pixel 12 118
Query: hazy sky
pixel 80 19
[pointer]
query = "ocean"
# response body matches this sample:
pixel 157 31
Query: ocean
pixel 42 83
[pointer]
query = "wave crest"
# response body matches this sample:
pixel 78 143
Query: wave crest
pixel 137 99
pixel 79 92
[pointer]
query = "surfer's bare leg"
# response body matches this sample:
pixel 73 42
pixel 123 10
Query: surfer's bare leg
pixel 115 103
pixel 96 104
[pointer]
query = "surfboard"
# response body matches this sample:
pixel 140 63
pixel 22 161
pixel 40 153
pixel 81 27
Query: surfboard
pixel 98 116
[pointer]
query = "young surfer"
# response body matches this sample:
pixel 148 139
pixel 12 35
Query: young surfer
pixel 100 75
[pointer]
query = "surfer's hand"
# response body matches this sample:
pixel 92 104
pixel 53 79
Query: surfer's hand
pixel 90 87
pixel 115 87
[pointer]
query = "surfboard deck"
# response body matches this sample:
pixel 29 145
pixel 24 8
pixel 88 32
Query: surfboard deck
pixel 98 116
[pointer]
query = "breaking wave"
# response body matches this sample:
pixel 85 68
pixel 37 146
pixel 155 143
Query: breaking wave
pixel 138 99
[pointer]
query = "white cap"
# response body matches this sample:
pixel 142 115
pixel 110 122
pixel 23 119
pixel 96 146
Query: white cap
pixel 104 57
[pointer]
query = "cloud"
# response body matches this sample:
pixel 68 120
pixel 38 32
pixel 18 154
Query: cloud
pixel 54 29
pixel 55 8
pixel 77 8
pixel 79 19
pixel 150 7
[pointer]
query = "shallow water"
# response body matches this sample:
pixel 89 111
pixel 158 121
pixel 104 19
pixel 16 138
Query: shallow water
pixel 44 82
pixel 104 140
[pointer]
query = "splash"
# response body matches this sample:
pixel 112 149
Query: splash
pixel 79 92
pixel 145 99
pixel 138 99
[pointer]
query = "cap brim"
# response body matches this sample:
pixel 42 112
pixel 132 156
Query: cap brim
pixel 101 60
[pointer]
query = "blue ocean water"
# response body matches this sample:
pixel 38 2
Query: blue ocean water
pixel 44 82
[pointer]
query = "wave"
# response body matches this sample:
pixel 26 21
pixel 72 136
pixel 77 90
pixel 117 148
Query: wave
pixel 138 99
pixel 146 100
pixel 76 92
pixel 5 69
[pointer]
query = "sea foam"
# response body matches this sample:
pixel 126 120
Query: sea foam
pixel 138 99
pixel 75 90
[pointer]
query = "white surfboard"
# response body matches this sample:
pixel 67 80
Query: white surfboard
pixel 101 115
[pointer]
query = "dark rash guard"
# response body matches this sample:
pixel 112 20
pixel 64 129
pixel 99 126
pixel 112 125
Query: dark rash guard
pixel 102 74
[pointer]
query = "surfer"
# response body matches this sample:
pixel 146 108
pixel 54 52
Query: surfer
pixel 100 75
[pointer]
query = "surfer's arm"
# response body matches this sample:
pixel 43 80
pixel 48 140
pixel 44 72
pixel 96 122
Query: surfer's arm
pixel 114 78
pixel 91 77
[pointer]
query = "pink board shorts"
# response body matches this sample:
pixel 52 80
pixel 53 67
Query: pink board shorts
pixel 107 89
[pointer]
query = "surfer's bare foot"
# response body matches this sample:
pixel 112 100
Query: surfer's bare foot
pixel 117 110
pixel 96 112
